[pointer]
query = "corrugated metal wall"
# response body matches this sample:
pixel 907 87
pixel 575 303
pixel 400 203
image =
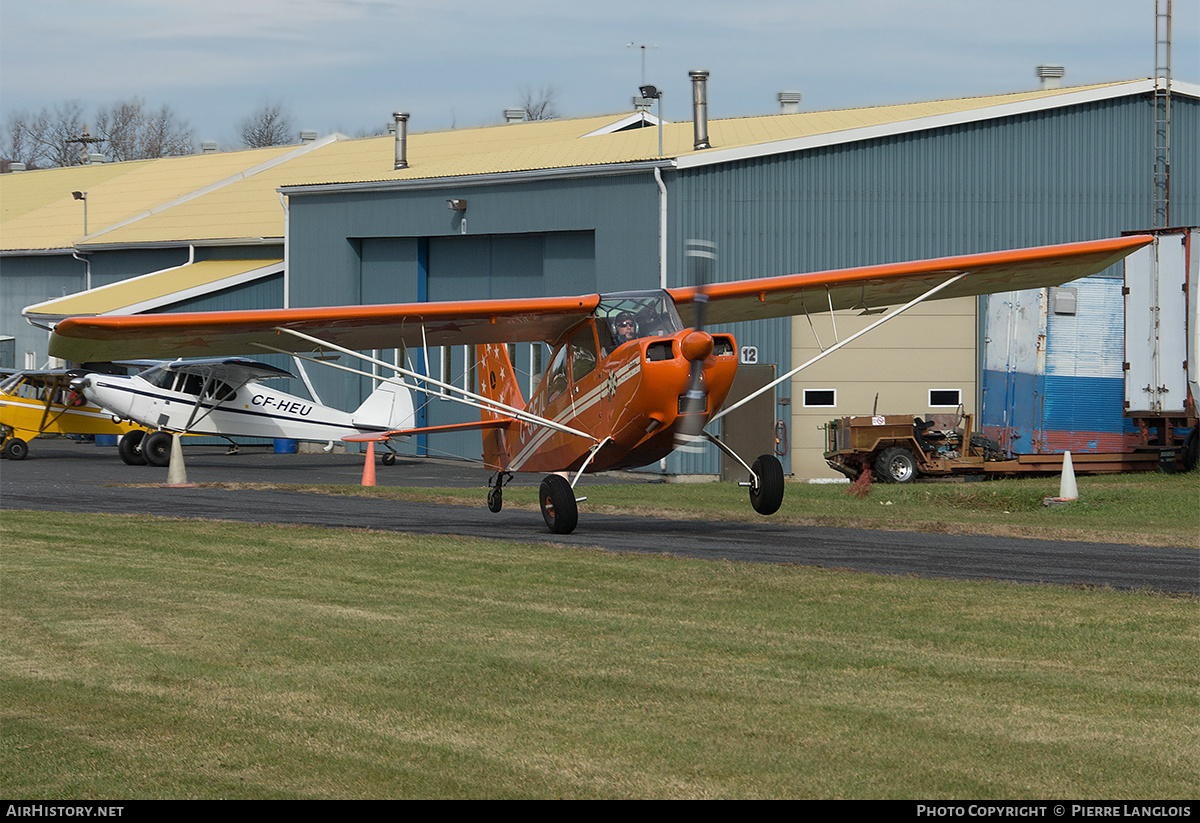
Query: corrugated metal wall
pixel 1056 176
pixel 1049 177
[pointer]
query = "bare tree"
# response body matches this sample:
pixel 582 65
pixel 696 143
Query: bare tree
pixel 270 126
pixel 124 131
pixel 539 105
pixel 130 132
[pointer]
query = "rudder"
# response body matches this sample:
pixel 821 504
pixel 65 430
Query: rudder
pixel 498 382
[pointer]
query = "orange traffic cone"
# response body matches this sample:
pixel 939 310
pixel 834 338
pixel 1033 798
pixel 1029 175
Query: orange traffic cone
pixel 369 466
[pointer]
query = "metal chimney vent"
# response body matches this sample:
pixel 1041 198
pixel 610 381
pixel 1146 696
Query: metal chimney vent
pixel 308 136
pixel 208 147
pixel 700 108
pixel 789 102
pixel 401 118
pixel 514 115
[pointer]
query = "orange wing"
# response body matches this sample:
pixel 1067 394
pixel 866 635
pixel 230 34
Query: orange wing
pixel 83 339
pixel 872 287
pixel 192 334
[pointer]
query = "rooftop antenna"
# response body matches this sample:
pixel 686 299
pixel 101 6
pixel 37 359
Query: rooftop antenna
pixel 1162 114
pixel 642 47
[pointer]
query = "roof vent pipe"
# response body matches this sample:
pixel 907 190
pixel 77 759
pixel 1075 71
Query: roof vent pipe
pixel 401 139
pixel 1051 76
pixel 789 102
pixel 700 108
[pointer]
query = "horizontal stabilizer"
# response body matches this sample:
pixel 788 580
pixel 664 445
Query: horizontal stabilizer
pixel 377 437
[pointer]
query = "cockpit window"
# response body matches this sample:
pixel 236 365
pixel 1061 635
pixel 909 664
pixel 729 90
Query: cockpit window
pixel 625 316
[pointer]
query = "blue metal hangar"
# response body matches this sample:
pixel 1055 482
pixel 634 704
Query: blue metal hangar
pixel 584 205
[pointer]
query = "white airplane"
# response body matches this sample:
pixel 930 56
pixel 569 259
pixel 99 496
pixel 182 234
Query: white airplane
pixel 223 397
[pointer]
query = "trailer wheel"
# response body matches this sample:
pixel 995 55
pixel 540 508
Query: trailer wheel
pixel 1191 450
pixel 896 465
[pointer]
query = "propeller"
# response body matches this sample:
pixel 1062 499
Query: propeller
pixel 701 260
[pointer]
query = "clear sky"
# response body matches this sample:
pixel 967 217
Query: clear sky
pixel 345 65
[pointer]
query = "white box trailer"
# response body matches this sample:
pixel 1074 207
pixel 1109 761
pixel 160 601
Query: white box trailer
pixel 1161 329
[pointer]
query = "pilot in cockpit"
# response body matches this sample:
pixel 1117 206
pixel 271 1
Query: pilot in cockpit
pixel 625 328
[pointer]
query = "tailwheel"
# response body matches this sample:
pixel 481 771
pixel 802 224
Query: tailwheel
pixel 156 448
pixel 558 504
pixel 15 449
pixel 130 448
pixel 766 495
pixel 496 491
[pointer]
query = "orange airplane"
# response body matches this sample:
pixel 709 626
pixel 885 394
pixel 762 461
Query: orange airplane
pixel 632 375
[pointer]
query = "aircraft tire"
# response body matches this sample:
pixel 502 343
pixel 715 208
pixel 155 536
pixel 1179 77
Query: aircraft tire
pixel 767 496
pixel 388 459
pixel 156 448
pixel 130 448
pixel 496 500
pixel 15 449
pixel 558 504
pixel 896 465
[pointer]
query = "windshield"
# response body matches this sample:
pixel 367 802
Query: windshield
pixel 625 316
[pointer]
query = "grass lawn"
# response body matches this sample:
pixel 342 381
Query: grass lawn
pixel 1149 509
pixel 153 658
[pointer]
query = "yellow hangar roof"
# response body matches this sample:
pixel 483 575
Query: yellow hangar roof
pixel 234 196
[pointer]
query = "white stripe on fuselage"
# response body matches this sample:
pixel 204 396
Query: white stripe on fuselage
pixel 578 407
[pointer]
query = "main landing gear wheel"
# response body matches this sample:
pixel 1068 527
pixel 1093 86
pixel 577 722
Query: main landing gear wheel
pixel 130 448
pixel 495 499
pixel 766 496
pixel 15 449
pixel 896 465
pixel 389 459
pixel 558 504
pixel 156 448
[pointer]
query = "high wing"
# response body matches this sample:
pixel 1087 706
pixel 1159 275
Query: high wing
pixel 112 337
pixel 232 370
pixel 872 287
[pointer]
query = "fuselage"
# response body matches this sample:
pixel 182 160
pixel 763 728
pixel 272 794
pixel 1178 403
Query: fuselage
pixel 178 402
pixel 631 394
pixel 32 404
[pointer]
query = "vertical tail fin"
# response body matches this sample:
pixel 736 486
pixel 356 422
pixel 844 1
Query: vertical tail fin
pixel 389 405
pixel 497 381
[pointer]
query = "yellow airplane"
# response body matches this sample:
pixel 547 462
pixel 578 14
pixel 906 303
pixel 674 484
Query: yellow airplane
pixel 42 402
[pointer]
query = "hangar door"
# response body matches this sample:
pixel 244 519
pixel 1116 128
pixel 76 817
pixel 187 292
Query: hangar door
pixel 473 268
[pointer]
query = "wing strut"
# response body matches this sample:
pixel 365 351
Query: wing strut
pixel 840 344
pixel 468 398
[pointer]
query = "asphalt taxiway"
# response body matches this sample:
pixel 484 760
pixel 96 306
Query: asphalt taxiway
pixel 78 478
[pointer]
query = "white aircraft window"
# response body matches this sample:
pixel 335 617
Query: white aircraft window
pixel 159 377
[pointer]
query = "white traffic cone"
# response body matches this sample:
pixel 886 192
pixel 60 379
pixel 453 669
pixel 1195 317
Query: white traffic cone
pixel 176 472
pixel 1067 490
